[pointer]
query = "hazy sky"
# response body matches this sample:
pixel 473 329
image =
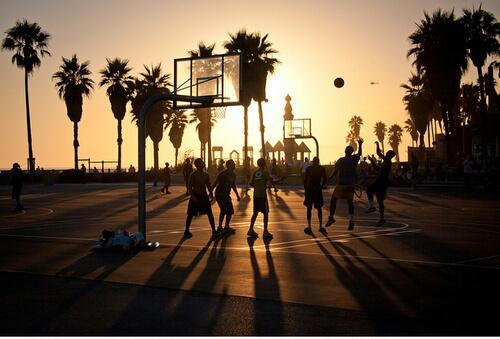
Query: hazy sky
pixel 361 41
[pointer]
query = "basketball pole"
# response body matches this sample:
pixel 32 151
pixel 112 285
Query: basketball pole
pixel 141 175
pixel 317 145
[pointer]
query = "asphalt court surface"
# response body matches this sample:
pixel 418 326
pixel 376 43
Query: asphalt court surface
pixel 432 242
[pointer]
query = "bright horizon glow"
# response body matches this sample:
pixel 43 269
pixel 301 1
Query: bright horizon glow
pixel 317 42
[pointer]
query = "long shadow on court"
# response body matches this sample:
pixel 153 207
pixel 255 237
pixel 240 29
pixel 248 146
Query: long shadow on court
pixel 281 204
pixel 173 315
pixel 268 321
pixel 370 296
pixel 106 262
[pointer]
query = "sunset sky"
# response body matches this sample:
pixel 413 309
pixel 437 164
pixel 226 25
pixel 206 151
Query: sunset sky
pixel 361 41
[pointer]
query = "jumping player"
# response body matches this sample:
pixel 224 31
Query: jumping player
pixel 379 186
pixel 225 181
pixel 314 181
pixel 259 181
pixel 199 202
pixel 346 169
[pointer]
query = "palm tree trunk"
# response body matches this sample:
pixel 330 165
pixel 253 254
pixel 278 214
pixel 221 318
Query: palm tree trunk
pixel 422 140
pixel 429 134
pixel 245 142
pixel 433 132
pixel 31 160
pixel 176 156
pixel 482 106
pixel 262 129
pixel 75 143
pixel 155 156
pixel 383 147
pixel 119 141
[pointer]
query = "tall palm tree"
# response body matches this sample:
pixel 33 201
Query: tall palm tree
pixel 412 131
pixel 355 124
pixel 116 76
pixel 483 33
pixel 418 103
pixel 380 129
pixel 177 122
pixel 152 81
pixel 262 65
pixel 440 51
pixel 395 133
pixel 203 114
pixel 29 43
pixel 73 82
pixel 244 43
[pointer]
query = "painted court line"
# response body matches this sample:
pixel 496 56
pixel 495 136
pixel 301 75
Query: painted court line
pixel 277 250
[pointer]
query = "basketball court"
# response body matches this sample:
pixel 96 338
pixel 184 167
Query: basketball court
pixel 428 251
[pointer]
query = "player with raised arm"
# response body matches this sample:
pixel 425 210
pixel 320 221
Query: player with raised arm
pixel 225 181
pixel 379 186
pixel 199 202
pixel 314 181
pixel 345 167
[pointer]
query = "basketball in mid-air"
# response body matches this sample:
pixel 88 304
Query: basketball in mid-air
pixel 338 82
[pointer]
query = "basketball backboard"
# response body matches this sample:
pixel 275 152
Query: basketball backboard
pixel 297 129
pixel 218 77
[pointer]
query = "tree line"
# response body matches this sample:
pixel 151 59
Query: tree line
pixel 73 82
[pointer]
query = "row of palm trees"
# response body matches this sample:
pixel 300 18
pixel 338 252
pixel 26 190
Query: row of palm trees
pixel 394 133
pixel 442 47
pixel 73 82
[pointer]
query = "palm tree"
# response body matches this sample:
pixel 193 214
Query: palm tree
pixel 203 114
pixel 205 123
pixel 483 32
pixel 152 81
pixel 177 122
pixel 469 102
pixel 116 76
pixel 395 133
pixel 263 64
pixel 410 128
pixel 418 103
pixel 355 124
pixel 29 43
pixel 257 63
pixel 439 47
pixel 73 82
pixel 380 129
pixel 351 140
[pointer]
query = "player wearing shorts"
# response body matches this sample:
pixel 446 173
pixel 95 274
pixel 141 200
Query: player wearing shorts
pixel 199 201
pixel 345 167
pixel 225 181
pixel 379 186
pixel 259 181
pixel 314 180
